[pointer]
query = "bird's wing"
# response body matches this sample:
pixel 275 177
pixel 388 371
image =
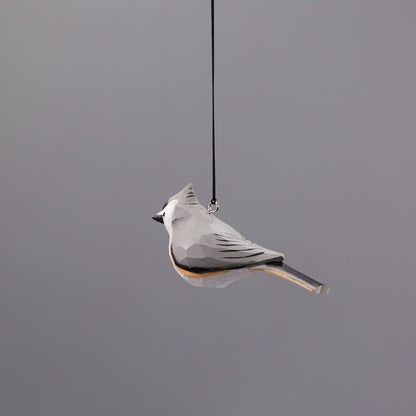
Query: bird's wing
pixel 220 250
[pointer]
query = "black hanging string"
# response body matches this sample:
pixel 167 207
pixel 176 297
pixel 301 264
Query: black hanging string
pixel 214 198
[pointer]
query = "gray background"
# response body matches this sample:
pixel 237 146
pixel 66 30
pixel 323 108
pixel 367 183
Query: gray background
pixel 105 114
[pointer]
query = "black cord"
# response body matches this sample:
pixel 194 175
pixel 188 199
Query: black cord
pixel 214 198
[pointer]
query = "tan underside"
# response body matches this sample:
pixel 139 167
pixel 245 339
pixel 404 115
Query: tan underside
pixel 199 275
pixel 285 276
pixel 209 274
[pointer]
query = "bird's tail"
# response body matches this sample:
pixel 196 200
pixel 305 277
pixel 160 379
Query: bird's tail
pixel 288 273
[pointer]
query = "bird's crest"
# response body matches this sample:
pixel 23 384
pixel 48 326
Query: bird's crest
pixel 187 196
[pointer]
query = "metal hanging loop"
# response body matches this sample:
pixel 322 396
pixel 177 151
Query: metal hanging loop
pixel 213 207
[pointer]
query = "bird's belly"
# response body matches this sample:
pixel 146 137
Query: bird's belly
pixel 214 279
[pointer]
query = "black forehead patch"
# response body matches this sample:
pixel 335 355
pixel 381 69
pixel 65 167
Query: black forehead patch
pixel 164 206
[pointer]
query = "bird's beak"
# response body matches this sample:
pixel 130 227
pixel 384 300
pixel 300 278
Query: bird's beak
pixel 158 217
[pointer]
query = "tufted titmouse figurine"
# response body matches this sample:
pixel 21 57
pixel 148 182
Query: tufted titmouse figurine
pixel 207 252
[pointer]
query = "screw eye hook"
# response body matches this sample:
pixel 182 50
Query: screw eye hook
pixel 213 207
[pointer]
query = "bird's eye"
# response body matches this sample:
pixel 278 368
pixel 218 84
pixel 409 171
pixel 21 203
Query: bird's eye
pixel 163 214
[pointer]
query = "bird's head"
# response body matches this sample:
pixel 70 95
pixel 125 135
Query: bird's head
pixel 178 206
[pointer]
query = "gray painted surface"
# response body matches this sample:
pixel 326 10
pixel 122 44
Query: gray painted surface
pixel 105 113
